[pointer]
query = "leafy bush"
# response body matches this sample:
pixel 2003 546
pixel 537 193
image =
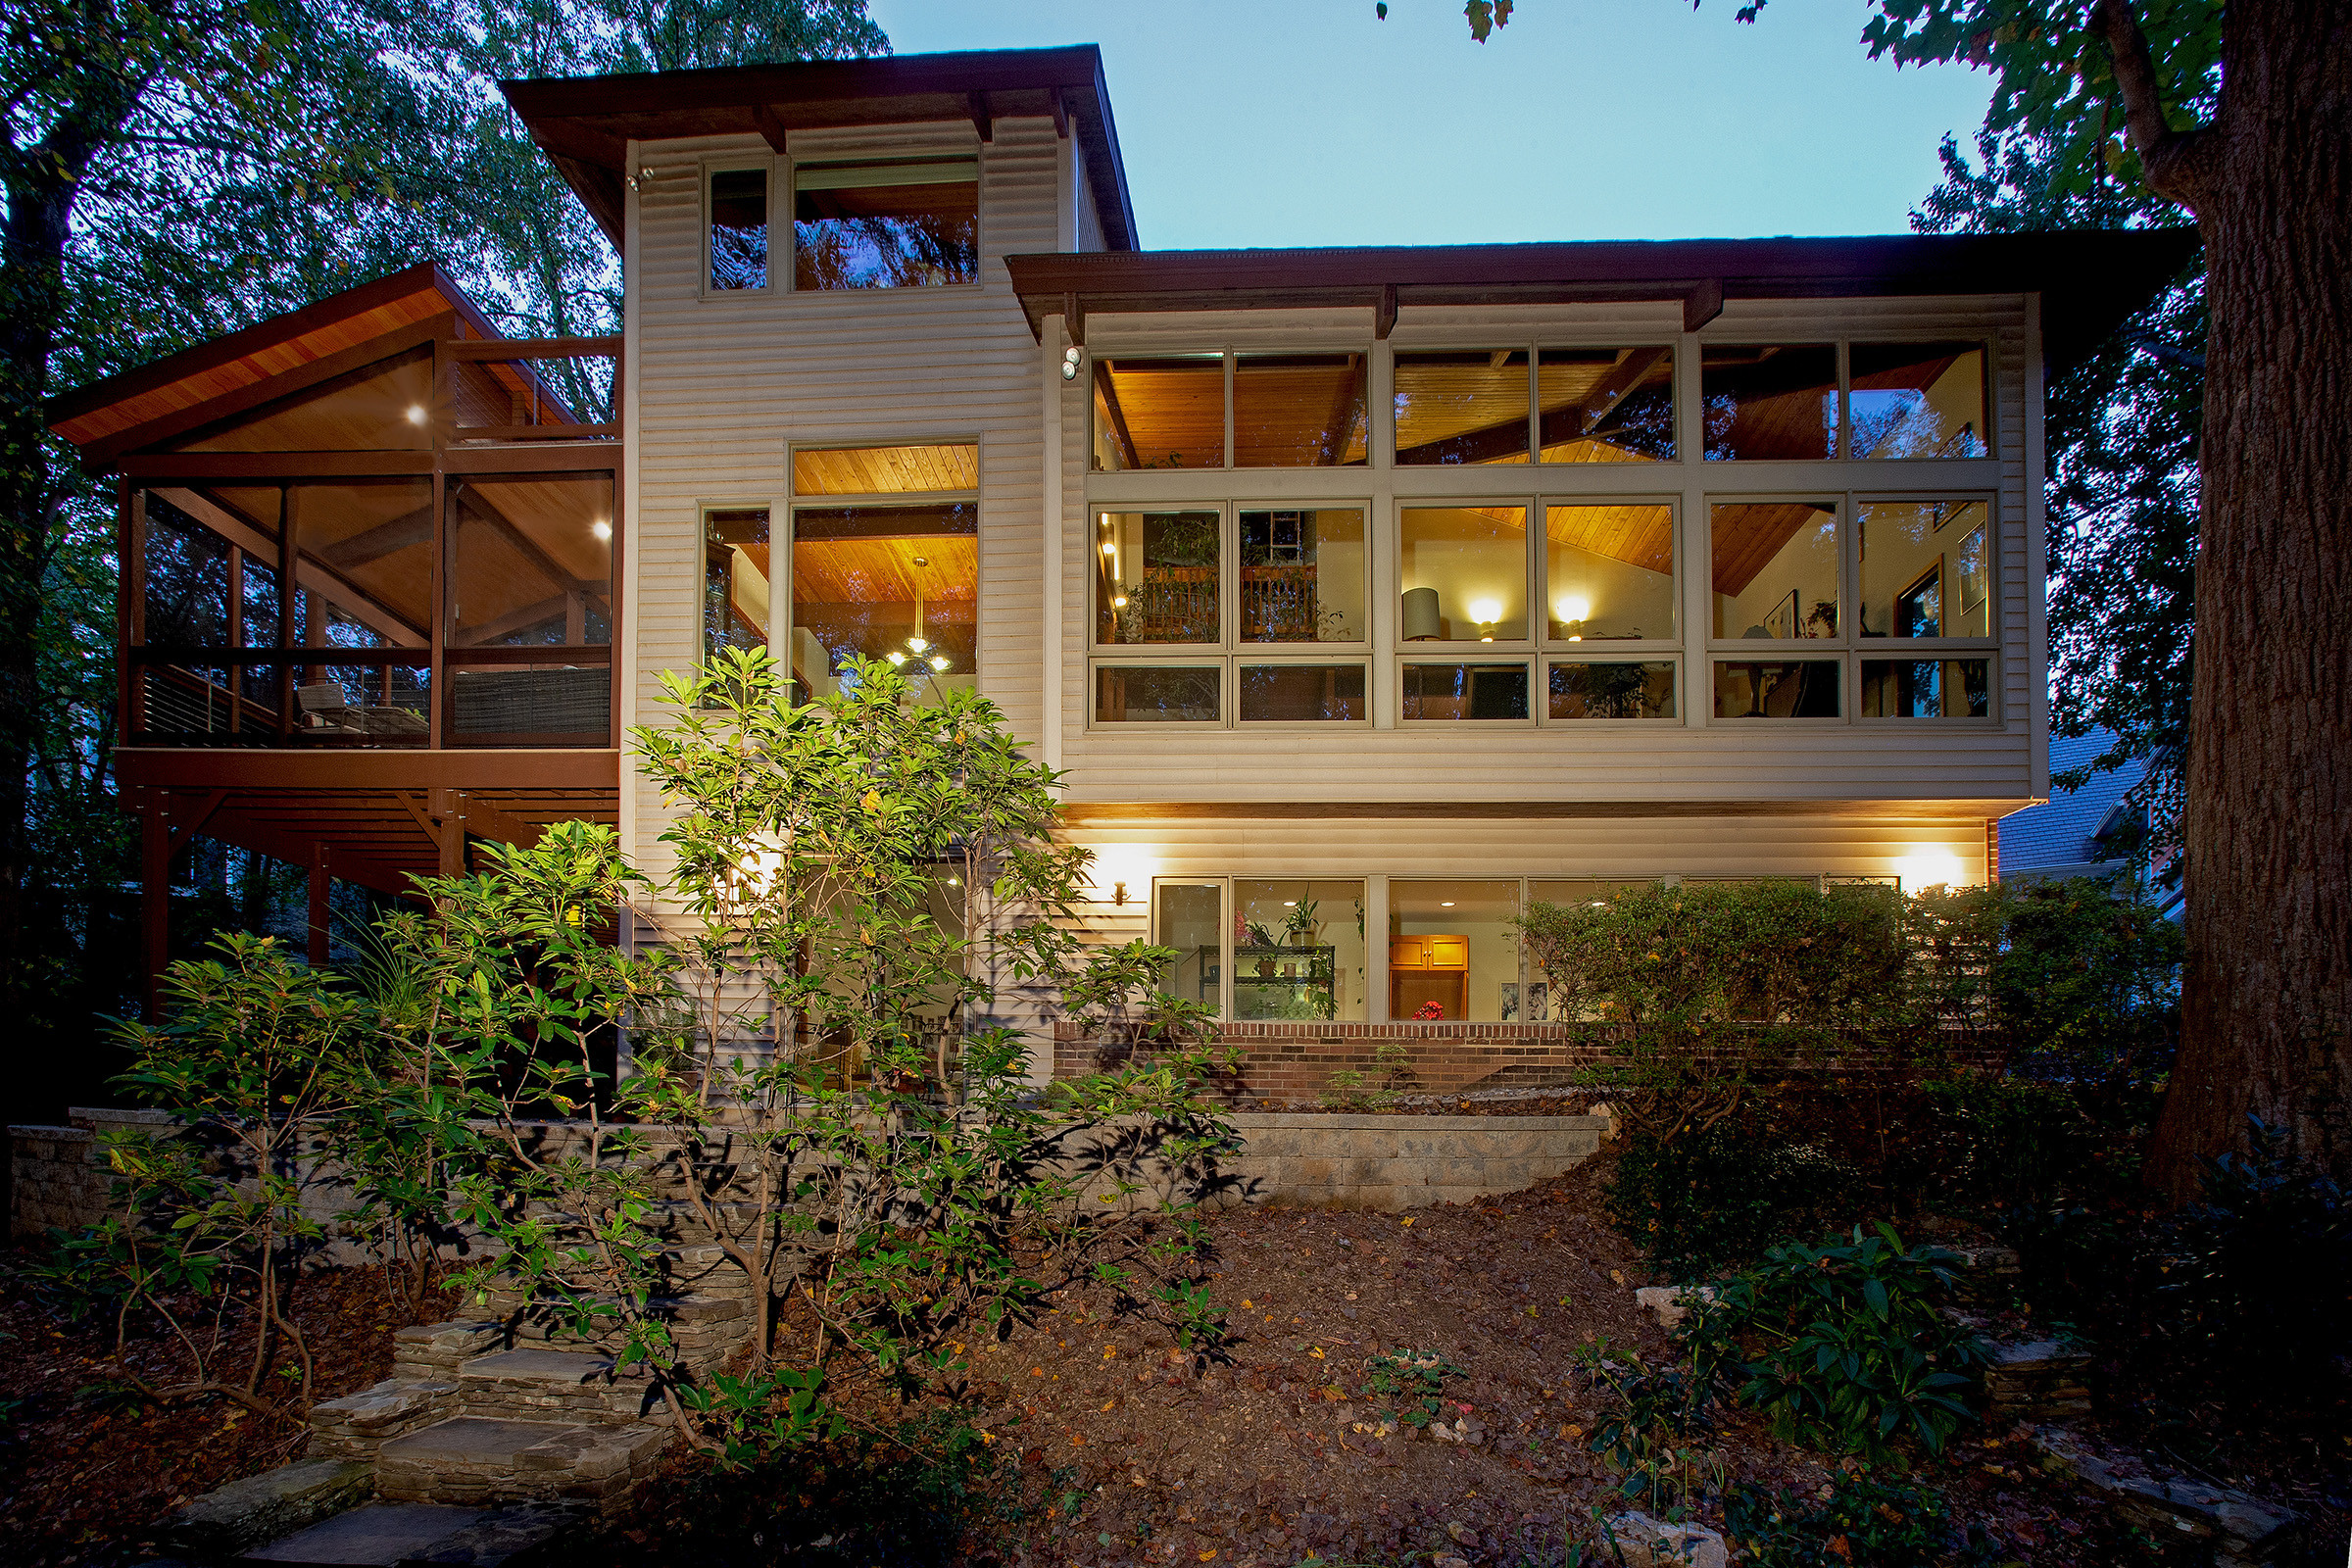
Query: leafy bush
pixel 1863 1523
pixel 1354 1089
pixel 1697 1204
pixel 1650 1437
pixel 1841 1343
pixel 1414 1379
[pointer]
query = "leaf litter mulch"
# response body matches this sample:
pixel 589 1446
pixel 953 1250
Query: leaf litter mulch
pixel 1082 1437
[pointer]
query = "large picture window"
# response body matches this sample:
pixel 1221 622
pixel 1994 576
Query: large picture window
pixel 885 563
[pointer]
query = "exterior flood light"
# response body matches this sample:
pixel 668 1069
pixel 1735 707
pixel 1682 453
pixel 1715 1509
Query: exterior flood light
pixel 1070 363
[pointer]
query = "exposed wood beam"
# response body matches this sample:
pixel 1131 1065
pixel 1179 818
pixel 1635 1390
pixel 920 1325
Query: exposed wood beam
pixel 533 347
pixel 1384 313
pixel 384 539
pixel 407 462
pixel 982 121
pixel 770 129
pixel 1352 396
pixel 1703 303
pixel 1571 423
pixel 189 823
pixel 586 770
pixel 1062 114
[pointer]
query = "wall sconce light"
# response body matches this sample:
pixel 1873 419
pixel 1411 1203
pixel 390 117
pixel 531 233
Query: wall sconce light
pixel 1070 363
pixel 1118 893
pixel 1487 611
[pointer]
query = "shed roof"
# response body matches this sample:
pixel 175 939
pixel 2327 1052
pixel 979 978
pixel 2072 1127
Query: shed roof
pixel 2089 281
pixel 585 124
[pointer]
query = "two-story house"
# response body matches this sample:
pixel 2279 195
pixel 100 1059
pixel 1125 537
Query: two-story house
pixel 1363 595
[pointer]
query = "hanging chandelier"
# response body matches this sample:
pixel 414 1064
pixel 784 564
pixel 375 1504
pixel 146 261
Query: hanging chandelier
pixel 919 646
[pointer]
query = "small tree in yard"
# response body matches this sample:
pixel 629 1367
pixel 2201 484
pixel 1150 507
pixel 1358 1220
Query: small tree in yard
pixel 214 1220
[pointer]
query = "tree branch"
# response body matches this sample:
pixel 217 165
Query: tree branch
pixel 2160 147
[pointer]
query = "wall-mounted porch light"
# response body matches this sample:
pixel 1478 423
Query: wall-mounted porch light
pixel 1070 363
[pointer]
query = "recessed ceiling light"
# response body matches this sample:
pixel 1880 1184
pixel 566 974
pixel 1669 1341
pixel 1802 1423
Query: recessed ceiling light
pixel 416 414
pixel 600 528
pixel 1446 904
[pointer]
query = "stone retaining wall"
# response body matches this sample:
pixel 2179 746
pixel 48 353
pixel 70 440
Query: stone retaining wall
pixel 1393 1163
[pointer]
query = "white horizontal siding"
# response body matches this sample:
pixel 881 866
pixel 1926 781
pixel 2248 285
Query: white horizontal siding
pixel 724 382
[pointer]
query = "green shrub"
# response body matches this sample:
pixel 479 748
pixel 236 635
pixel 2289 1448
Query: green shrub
pixel 1842 1344
pixel 1863 1524
pixel 1651 1433
pixel 1413 1379
pixel 1697 1204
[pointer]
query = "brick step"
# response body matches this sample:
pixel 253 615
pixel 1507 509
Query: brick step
pixel 477 1460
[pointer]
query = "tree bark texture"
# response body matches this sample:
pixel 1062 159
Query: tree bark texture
pixel 2268 993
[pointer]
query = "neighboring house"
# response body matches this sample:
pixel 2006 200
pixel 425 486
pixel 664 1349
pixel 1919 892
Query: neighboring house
pixel 2095 831
pixel 1361 594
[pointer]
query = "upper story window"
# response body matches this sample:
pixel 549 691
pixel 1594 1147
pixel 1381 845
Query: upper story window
pixel 1794 403
pixel 1162 411
pixel 739 228
pixel 885 562
pixel 1555 405
pixel 885 225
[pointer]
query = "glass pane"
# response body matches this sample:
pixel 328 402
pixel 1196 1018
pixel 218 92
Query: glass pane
pixel 1771 402
pixel 884 471
pixel 1779 688
pixel 379 407
pixel 1775 568
pixel 1157 694
pixel 885 225
pixel 1926 688
pixel 533 559
pixel 1463 572
pixel 1918 399
pixel 1156 577
pixel 1167 413
pixel 1582 890
pixel 1303 576
pixel 1605 405
pixel 1608 573
pixel 1461 406
pixel 1925 571
pixel 735 574
pixel 1299 410
pixel 1188 917
pixel 1284 693
pixel 187 577
pixel 1298 951
pixel 1464 691
pixel 739 228
pixel 898 583
pixel 367 556
pixel 1453 950
pixel 1613 691
pixel 382 704
pixel 531 704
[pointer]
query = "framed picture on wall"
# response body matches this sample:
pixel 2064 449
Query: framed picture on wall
pixel 1781 619
pixel 1539 1002
pixel 1975 581
pixel 1508 1009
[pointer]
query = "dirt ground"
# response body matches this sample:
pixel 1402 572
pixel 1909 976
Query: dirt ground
pixel 1101 1443
pixel 86 1468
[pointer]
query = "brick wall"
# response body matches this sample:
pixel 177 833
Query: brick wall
pixel 1291 1063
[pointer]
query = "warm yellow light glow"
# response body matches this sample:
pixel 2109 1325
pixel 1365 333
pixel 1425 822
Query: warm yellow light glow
pixel 1485 611
pixel 416 414
pixel 1119 602
pixel 1573 608
pixel 1134 865
pixel 938 661
pixel 600 528
pixel 1931 868
pixel 918 644
pixel 896 658
pixel 1110 547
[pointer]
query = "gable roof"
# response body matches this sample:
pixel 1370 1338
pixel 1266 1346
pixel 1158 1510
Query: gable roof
pixel 585 124
pixel 225 366
pixel 2089 281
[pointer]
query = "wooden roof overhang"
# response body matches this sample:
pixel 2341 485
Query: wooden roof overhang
pixel 585 124
pixel 2089 281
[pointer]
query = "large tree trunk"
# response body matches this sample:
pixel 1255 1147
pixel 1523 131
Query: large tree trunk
pixel 2267 999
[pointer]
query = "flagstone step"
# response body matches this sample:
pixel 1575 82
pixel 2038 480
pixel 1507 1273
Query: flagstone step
pixel 537 1384
pixel 379 1535
pixel 476 1459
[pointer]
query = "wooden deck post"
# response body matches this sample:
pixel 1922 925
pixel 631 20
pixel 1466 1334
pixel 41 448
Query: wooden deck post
pixel 320 884
pixel 155 897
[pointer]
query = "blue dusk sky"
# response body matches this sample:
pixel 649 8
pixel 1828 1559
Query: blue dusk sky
pixel 1310 122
